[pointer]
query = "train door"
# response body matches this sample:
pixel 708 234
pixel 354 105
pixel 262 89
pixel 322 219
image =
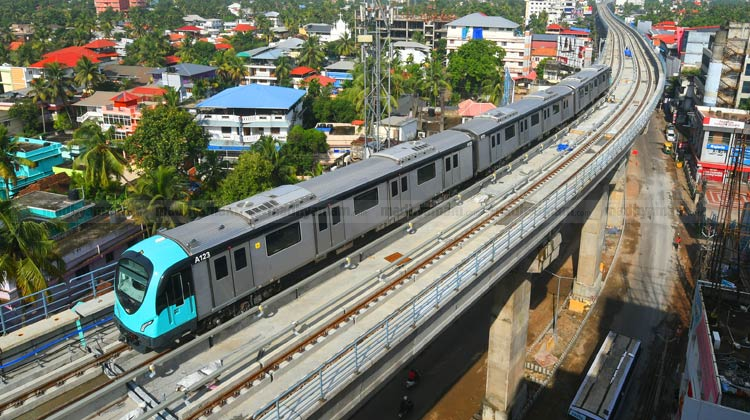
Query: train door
pixel 495 148
pixel 175 298
pixel 394 195
pixel 322 231
pixel 338 234
pixel 222 284
pixel 405 193
pixel 242 270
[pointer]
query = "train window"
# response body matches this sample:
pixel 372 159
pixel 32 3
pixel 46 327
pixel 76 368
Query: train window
pixel 493 141
pixel 240 259
pixel 177 298
pixel 220 267
pixel 335 215
pixel 520 126
pixel 283 239
pixel 447 164
pixel 556 108
pixel 510 132
pixel 404 184
pixel 425 173
pixel 174 292
pixel 322 221
pixel 455 160
pixel 534 119
pixel 394 188
pixel 365 201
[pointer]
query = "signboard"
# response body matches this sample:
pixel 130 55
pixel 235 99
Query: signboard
pixel 717 122
pixel 714 146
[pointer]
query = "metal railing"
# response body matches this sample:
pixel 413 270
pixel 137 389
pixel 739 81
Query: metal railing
pixel 337 371
pixel 55 299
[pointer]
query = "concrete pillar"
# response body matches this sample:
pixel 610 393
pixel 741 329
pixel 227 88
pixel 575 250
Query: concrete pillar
pixel 505 394
pixel 616 206
pixel 588 274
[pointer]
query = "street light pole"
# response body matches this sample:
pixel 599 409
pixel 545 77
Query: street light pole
pixel 556 309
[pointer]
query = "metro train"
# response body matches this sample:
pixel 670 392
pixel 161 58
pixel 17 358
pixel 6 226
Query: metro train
pixel 190 278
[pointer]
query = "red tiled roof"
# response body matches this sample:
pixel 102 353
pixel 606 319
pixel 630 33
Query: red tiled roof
pixel 469 108
pixel 203 40
pixel 529 76
pixel 244 27
pixel 125 97
pixel 171 59
pixel 666 38
pixel 148 91
pixel 67 57
pixel 223 46
pixel 100 43
pixel 176 37
pixel 573 32
pixel 188 28
pixel 554 27
pixel 15 45
pixel 322 80
pixel 301 71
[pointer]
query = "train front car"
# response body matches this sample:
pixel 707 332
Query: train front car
pixel 154 299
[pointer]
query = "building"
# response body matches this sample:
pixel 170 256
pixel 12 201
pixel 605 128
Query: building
pixel 339 137
pixel 262 61
pixel 44 154
pixel 714 384
pixel 543 46
pixel 725 79
pixel 68 57
pixel 120 111
pixel 497 29
pixel 182 77
pixel 14 78
pixel 410 50
pixel 574 48
pixel 714 132
pixel 137 75
pixel 556 9
pixel 237 117
pixel 398 128
pixel 118 5
pixel 403 27
pixel 469 109
pixel 691 46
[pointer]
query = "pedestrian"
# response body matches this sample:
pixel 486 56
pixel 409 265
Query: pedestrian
pixel 677 241
pixel 682 210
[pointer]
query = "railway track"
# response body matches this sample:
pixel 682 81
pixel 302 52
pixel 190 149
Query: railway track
pixel 270 368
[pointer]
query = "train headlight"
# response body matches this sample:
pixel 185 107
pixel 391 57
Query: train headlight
pixel 146 324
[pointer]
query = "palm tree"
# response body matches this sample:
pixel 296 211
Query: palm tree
pixel 346 45
pixel 9 161
pixel 230 69
pixel 311 54
pixel 102 164
pixel 270 150
pixel 171 97
pixel 493 88
pixel 283 68
pixel 27 254
pixel 60 84
pixel 87 74
pixel 159 199
pixel 40 95
pixel 435 80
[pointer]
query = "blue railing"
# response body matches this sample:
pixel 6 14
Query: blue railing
pixel 54 299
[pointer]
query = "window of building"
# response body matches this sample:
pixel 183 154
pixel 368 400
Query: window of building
pixel 275 130
pixel 425 173
pixel 335 215
pixel 220 267
pixel 510 132
pixel 365 201
pixel 322 221
pixel 226 130
pixel 747 69
pixel 534 119
pixel 240 259
pixel 746 87
pixel 283 239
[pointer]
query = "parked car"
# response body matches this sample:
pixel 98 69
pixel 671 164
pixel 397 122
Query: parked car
pixel 670 134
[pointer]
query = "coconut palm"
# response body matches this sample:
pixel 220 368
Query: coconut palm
pixel 9 161
pixel 60 85
pixel 435 80
pixel 346 45
pixel 27 254
pixel 102 165
pixel 283 68
pixel 40 96
pixel 270 150
pixel 493 88
pixel 87 74
pixel 159 199
pixel 171 97
pixel 311 54
pixel 230 69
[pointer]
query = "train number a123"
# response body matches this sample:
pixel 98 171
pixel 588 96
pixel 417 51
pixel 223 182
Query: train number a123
pixel 202 257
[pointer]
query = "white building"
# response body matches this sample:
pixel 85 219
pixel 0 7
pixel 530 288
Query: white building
pixel 237 117
pixel 634 2
pixel 398 128
pixel 262 60
pixel 556 10
pixel 419 53
pixel 497 29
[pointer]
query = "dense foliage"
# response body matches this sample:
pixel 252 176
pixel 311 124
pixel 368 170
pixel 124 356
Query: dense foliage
pixel 472 65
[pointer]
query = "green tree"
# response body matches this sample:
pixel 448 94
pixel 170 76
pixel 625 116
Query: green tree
pixel 171 97
pixel 541 67
pixel 41 94
pixel 159 199
pixel 311 53
pixel 303 148
pixel 252 174
pixel 9 161
pixel 28 113
pixel 472 64
pixel 27 254
pixel 282 172
pixel 211 172
pixel 103 166
pixel 166 136
pixel 538 23
pixel 345 45
pixel 60 85
pixel 283 68
pixel 88 75
pixel 435 80
pixel 231 70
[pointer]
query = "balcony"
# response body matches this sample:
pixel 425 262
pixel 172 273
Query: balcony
pixel 91 115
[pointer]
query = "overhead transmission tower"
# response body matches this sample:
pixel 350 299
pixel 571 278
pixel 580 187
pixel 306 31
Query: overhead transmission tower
pixel 376 20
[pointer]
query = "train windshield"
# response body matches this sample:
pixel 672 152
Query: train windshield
pixel 132 281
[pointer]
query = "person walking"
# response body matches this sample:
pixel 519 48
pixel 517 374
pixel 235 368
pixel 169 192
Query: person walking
pixel 677 241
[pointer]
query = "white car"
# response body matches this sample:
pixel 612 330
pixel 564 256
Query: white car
pixel 671 136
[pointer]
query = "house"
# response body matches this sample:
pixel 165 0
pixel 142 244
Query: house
pixel 574 50
pixel 497 29
pixel 262 60
pixel 139 75
pixel 14 78
pixel 68 57
pixel 339 137
pixel 410 50
pixel 44 154
pixel 118 5
pixel 104 48
pixel 237 117
pixel 235 9
pixel 320 30
pixel 398 128
pixel 118 110
pixel 182 77
pixel 469 109
pixel 272 17
pixel 298 74
pixel 14 125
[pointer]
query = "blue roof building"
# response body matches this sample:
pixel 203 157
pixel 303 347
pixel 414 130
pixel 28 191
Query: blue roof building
pixel 236 118
pixel 44 154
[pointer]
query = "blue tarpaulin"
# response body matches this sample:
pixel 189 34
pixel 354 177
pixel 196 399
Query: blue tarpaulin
pixel 562 147
pixel 477 34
